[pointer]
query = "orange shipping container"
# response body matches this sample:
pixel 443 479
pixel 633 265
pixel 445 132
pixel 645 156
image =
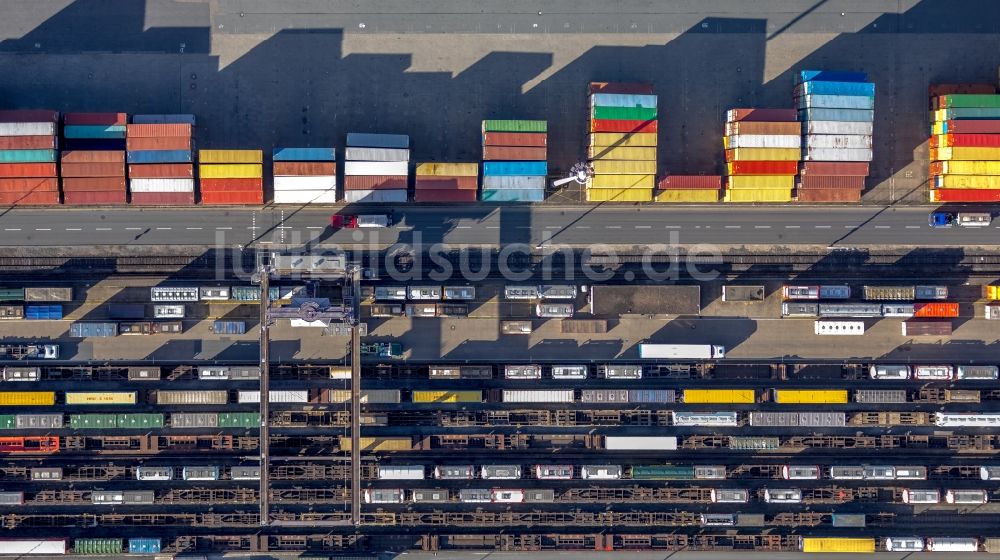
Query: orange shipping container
pixel 93 169
pixel 93 156
pixel 27 142
pixel 537 139
pixel 31 198
pixel 157 130
pixel 97 184
pixel 236 198
pixel 230 185
pixel 513 153
pixel 163 143
pixel 759 127
pixel 440 182
pixel 29 184
pixel 27 170
pixel 935 310
pixel 160 170
pixel 304 168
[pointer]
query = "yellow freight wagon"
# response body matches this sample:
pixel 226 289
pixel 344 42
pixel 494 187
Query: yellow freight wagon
pixel 123 397
pixel 27 398
pixel 758 195
pixel 966 182
pixel 619 195
pixel 231 171
pixel 761 182
pixel 625 153
pixel 624 139
pixel 991 293
pixel 425 397
pixel 973 167
pixel 377 444
pixel 448 169
pixel 829 544
pixel 810 396
pixel 230 156
pixel 719 396
pixel 965 154
pixel 688 195
pixel 623 182
pixel 763 154
pixel 615 167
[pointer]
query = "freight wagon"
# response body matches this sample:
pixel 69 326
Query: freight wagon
pixel 143 374
pixel 619 371
pixel 677 472
pixel 640 443
pixel 904 293
pixel 162 397
pixel 543 396
pixel 978 372
pixel 601 472
pixel 782 496
pixel 966 420
pixel 168 311
pixel 460 372
pixel 11 312
pixel 384 496
pixel 459 293
pixel 706 419
pixel 432 397
pixel 46 474
pixel 934 373
pixel 719 396
pixel 966 496
pixel 893 372
pixel 454 472
pixel 799 309
pixel 430 496
pixel 904 544
pixel 48 294
pixel 29 351
pixel 809 396
pixel 154 473
pixel 850 310
pixel 200 473
pixel 554 472
pixel 839 544
pixel 530 371
pixel 943 544
pixel 800 472
pixel 173 294
pixel 729 496
pixel 798 419
pixel 15 374
pixel 273 396
pixel 569 372
pixel 101 398
pixel 500 472
pixel 879 396
pixel 386 310
pixel 402 472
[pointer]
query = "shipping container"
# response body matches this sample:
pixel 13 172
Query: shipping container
pixel 809 396
pixel 429 397
pixel 43 312
pixel 46 474
pixel 27 398
pixel 766 115
pixel 20 374
pixel 101 398
pixel 879 396
pixel 379 444
pixel 144 546
pixel 835 102
pixel 229 327
pixel 604 396
pixel 38 421
pixel 798 419
pixel 194 420
pixel 154 473
pixel 840 544
pixel 231 156
pixel 19 547
pixel 542 396
pixel 304 154
pixel 719 396
pixel 761 141
pixel 383 196
pixel 360 139
pixel 244 473
pixel 200 397
pixel 978 372
pixel 927 327
pixel 640 443
pixel 48 294
pixel 376 154
pixel 200 473
pixel 273 396
pixel 28 129
pixel 839 328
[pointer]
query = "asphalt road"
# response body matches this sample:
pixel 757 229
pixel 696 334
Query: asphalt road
pixel 492 225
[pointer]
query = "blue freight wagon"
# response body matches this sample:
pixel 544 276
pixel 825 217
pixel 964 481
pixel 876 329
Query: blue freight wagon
pixel 304 154
pixel 143 546
pixel 651 396
pixel 159 156
pixel 87 330
pixel 43 312
pixel 229 327
pixel 364 140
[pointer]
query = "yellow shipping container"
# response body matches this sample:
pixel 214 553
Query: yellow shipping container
pixel 623 182
pixel 619 195
pixel 967 182
pixel 964 153
pixel 447 396
pixel 758 195
pixel 840 544
pixel 448 169
pixel 231 171
pixel 621 153
pixel 230 156
pixel 618 167
pixel 764 154
pixel 27 398
pixel 121 397
pixel 719 396
pixel 761 182
pixel 970 167
pixel 810 396
pixel 638 140
pixel 373 444
pixel 688 195
pixel 991 293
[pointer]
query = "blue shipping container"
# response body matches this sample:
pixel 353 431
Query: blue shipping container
pixel 365 140
pixel 651 396
pixel 94 131
pixel 513 195
pixel 163 119
pixel 623 100
pixel 304 154
pixel 159 156
pixel 43 312
pixel 508 168
pixel 229 327
pixel 836 102
pixel 831 76
pixel 836 88
pixel 852 115
pixel 27 156
pixel 144 546
pixel 86 330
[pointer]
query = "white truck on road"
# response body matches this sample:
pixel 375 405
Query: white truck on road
pixel 681 352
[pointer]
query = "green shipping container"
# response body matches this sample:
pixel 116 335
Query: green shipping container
pixel 98 546
pixel 7 422
pixel 140 421
pixel 624 113
pixel 27 156
pixel 969 100
pixel 245 293
pixel 663 472
pixel 515 126
pixel 11 294
pixel 239 419
pixel 92 421
pixel 967 113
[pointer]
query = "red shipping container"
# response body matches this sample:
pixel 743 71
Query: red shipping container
pixel 161 170
pixel 32 184
pixel 158 130
pixel 631 88
pixel 163 199
pixel 831 182
pixel 625 127
pixel 95 119
pixel 165 143
pixel 93 156
pixel 927 327
pixel 30 198
pixel 690 182
pixel 29 115
pixel 513 153
pixel 757 115
pixel 231 185
pixel 940 309
pixel 371 182
pixel 91 198
pixel 304 168
pixel 947 89
pixel 851 168
pixel 441 182
pixel 93 184
pixel 93 170
pixel 828 195
pixel 28 170
pixel 965 195
pixel 27 142
pixel 763 167
pixel 445 195
pixel 752 127
pixel 536 139
pixel 973 127
pixel 967 140
pixel 235 198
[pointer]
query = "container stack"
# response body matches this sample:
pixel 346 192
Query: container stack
pixel 689 188
pixel 622 143
pixel 28 142
pixel 837 110
pixel 93 158
pixel 762 153
pixel 231 176
pixel 446 182
pixel 376 167
pixel 515 155
pixel 159 152
pixel 965 148
pixel 305 175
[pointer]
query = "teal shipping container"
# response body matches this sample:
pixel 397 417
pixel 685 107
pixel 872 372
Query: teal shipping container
pixel 99 131
pixel 27 156
pixel 513 195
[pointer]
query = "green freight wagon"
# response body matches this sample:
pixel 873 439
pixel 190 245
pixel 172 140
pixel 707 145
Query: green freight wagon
pixel 624 113
pixel 245 293
pixel 663 472
pixel 140 421
pixel 98 546
pixel 92 421
pixel 239 419
pixel 7 422
pixel 515 126
pixel 11 294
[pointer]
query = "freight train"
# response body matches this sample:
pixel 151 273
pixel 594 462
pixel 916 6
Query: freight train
pixel 870 310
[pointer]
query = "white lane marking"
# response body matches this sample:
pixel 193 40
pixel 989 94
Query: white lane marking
pixel 193 228
pixel 164 228
pixel 582 227
pixel 823 227
pixel 883 227
pixel 672 227
pixel 12 229
pixel 320 227
pixel 103 229
pixel 643 227
pixel 43 229
pixel 223 228
pixel 133 229
pixel 613 227
pixel 492 227
pixel 792 227
pixel 285 227
pixel 733 227
pixel 912 227
pixel 848 227
pixel 761 227
pixel 73 229
pixel 463 227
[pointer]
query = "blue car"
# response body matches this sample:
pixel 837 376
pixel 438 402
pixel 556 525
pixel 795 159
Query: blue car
pixel 941 219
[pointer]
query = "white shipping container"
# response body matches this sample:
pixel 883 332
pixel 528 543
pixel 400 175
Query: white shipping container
pixel 765 141
pixel 538 396
pixel 640 443
pixel 836 101
pixel 376 154
pixel 513 182
pixel 26 547
pixel 401 472
pixel 304 183
pixel 835 154
pixel 161 185
pixel 376 168
pixel 853 141
pixel 837 127
pixel 273 396
pixel 305 197
pixel 28 129
pixel 378 195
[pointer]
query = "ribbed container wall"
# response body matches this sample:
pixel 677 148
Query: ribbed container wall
pixel 689 188
pixel 231 177
pixel 965 143
pixel 160 158
pixel 28 152
pixel 93 158
pixel 515 154
pixel 305 175
pixel 446 182
pixel 376 168
pixel 762 148
pixel 622 142
pixel 837 112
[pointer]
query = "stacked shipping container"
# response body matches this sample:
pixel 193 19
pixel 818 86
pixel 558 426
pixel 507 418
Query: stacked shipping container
pixel 965 145
pixel 376 167
pixel 160 159
pixel 622 144
pixel 446 182
pixel 837 110
pixel 231 176
pixel 93 161
pixel 305 175
pixel 28 142
pixel 515 163
pixel 762 149
pixel 689 188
